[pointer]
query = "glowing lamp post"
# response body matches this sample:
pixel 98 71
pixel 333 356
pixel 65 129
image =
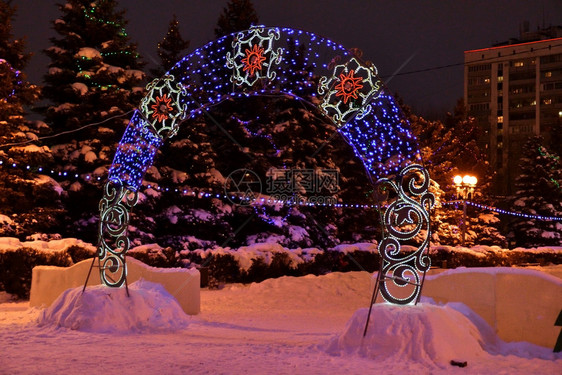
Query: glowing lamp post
pixel 465 190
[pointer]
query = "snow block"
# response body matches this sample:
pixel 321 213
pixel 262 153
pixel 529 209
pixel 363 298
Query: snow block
pixel 48 282
pixel 519 304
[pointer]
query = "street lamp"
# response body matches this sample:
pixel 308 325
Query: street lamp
pixel 465 190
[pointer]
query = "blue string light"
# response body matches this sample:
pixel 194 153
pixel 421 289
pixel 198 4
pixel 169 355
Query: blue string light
pixel 382 139
pixel 505 212
pixel 202 194
pixel 135 153
pixel 259 61
pixel 17 75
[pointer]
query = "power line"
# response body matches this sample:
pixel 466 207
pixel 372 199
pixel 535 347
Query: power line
pixel 67 131
pixel 464 63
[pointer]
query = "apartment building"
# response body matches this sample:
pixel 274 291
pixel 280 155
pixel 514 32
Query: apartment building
pixel 514 90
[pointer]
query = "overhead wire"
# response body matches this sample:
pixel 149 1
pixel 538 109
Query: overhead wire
pixel 66 131
pixel 472 62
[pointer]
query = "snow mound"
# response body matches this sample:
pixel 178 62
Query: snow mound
pixel 149 308
pixel 428 334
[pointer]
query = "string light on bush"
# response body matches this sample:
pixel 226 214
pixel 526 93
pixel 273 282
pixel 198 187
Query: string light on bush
pixel 89 14
pixel 17 76
pixel 555 159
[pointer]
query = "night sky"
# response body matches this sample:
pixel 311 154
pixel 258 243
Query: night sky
pixel 421 33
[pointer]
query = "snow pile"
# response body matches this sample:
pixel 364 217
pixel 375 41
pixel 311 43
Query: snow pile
pixel 102 309
pixel 428 334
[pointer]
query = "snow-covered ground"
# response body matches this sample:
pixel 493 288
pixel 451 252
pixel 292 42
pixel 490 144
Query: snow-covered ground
pixel 290 325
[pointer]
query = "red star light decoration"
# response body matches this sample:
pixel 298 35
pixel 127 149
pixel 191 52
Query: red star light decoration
pixel 254 59
pixel 162 107
pixel 349 86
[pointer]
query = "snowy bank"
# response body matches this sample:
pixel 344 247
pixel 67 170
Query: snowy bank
pixel 252 263
pixel 62 245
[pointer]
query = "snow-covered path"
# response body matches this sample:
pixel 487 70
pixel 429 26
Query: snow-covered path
pixel 280 326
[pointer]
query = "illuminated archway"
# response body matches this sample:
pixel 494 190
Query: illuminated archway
pixel 256 62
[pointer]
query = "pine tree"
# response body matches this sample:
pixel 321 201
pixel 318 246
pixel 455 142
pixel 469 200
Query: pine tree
pixel 538 192
pixel 94 76
pixel 238 15
pixel 29 201
pixel 170 49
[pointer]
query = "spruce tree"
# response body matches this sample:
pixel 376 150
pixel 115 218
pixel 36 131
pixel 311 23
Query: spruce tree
pixel 237 15
pixel 555 136
pixel 171 49
pixel 29 201
pixel 538 192
pixel 448 149
pixel 94 77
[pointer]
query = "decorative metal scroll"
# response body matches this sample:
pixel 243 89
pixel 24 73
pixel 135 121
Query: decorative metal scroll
pixel 263 61
pixel 349 91
pixel 254 51
pixel 162 107
pixel 113 241
pixel 405 218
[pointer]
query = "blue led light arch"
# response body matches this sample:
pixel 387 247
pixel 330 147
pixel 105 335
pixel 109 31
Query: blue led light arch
pixel 259 61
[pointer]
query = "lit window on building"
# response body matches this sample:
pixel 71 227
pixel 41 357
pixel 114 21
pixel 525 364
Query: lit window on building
pixel 500 119
pixel 559 113
pixel 547 101
pixel 486 80
pixel 518 64
pixel 500 78
pixel 534 102
pixel 548 74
